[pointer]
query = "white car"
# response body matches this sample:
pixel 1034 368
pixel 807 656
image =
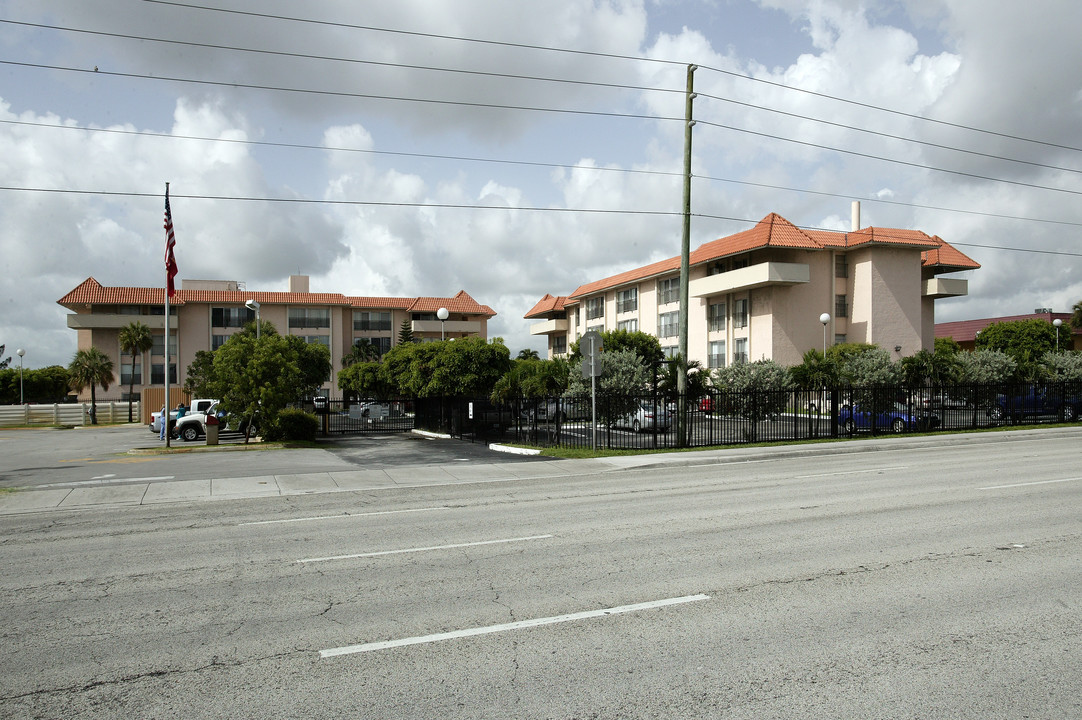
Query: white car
pixel 200 405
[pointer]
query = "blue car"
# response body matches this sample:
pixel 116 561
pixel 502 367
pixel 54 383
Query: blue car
pixel 901 418
pixel 1033 402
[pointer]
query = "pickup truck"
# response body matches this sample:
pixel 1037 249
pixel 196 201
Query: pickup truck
pixel 200 405
pixel 193 425
pixel 1036 401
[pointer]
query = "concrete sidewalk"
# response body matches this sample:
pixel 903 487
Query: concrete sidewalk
pixel 100 494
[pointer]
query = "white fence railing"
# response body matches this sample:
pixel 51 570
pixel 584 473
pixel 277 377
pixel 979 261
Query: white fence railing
pixel 66 413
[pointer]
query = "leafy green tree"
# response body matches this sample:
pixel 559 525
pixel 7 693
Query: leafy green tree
pixel 624 379
pixel 362 351
pixel 979 374
pixel 873 376
pixel 405 333
pixel 531 379
pixel 1063 366
pixel 256 379
pixel 41 385
pixel 1076 318
pixel 527 354
pixel 818 371
pixel 6 361
pixel 646 346
pixel 467 367
pixel 842 353
pixel 365 379
pixel 946 345
pixel 1024 340
pixel 91 367
pixel 135 339
pixel 200 375
pixel 936 368
pixel 756 391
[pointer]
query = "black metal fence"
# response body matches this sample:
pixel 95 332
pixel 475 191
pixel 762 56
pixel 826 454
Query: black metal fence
pixel 732 418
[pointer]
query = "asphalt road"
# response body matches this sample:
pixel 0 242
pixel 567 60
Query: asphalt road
pixel 95 455
pixel 927 579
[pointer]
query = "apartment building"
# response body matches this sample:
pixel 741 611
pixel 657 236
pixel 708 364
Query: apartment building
pixel 205 313
pixel 760 294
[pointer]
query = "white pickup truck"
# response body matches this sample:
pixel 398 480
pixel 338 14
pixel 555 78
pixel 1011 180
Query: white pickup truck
pixel 194 425
pixel 200 405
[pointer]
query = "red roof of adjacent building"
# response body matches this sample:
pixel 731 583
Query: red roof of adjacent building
pixel 91 292
pixel 966 330
pixel 547 304
pixel 774 231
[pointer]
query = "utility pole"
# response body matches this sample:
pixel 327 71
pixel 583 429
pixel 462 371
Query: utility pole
pixel 685 255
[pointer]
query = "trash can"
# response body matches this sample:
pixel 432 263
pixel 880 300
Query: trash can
pixel 212 429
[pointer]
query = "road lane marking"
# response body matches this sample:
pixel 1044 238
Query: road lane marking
pixel 343 515
pixel 1027 484
pixel 489 629
pixel 852 472
pixel 425 549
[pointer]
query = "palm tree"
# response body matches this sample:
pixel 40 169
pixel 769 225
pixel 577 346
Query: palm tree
pixel 528 354
pixel 135 339
pixel 1076 318
pixel 91 367
pixel 362 351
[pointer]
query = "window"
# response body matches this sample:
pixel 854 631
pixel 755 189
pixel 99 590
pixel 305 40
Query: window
pixel 841 308
pixel 383 344
pixel 595 308
pixel 841 266
pixel 740 350
pixel 629 325
pixel 670 351
pixel 559 345
pixel 738 264
pixel 159 345
pixel 422 316
pixel 740 314
pixel 717 354
pixel 627 300
pixel 715 317
pixel 668 290
pixel 216 341
pixel 160 310
pixel 839 339
pixel 224 317
pixel 157 374
pixel 595 328
pixel 132 310
pixel 367 320
pixel 305 317
pixel 668 324
pixel 126 374
pixel 716 268
pixel 324 340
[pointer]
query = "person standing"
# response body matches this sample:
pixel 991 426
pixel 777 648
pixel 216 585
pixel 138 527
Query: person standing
pixel 163 420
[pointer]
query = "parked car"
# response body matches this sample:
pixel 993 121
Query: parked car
pixel 1036 401
pixel 646 418
pixel 194 425
pixel 898 419
pixel 200 405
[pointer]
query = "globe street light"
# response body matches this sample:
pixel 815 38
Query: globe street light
pixel 1056 324
pixel 824 318
pixel 442 315
pixel 20 352
pixel 254 306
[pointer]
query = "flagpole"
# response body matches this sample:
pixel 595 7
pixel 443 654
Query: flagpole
pixel 168 283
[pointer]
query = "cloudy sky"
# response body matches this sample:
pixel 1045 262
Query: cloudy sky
pixel 509 149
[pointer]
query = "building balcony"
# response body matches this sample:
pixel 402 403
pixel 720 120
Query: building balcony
pixel 103 321
pixel 450 327
pixel 749 278
pixel 550 327
pixel 945 287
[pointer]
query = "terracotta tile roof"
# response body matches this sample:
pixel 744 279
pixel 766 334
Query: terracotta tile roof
pixel 946 256
pixel 460 303
pixel 91 292
pixel 890 236
pixel 966 330
pixel 546 305
pixel 774 231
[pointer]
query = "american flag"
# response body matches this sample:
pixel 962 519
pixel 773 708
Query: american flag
pixel 170 242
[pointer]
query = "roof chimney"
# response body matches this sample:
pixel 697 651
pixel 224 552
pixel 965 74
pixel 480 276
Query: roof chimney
pixel 298 283
pixel 856 216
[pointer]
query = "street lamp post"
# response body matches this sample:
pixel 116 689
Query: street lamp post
pixel 442 314
pixel 1056 324
pixel 254 306
pixel 824 318
pixel 20 352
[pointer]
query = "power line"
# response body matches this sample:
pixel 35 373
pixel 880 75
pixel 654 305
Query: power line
pixel 534 78
pixel 526 163
pixel 635 58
